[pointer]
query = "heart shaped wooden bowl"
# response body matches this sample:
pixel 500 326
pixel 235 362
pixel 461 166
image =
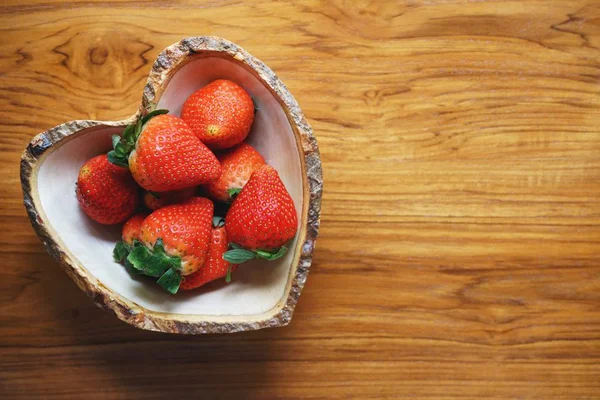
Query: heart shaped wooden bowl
pixel 262 294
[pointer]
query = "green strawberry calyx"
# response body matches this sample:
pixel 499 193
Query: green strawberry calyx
pixel 140 260
pixel 233 192
pixel 123 145
pixel 237 254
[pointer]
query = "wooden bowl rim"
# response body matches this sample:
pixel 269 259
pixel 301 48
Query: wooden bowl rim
pixel 165 66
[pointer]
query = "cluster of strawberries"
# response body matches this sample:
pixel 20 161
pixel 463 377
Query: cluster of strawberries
pixel 153 178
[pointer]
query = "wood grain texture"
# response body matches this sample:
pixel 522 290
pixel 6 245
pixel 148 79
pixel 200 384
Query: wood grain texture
pixel 459 250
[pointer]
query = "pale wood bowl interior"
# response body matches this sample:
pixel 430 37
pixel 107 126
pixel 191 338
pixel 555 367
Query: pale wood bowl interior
pixel 262 294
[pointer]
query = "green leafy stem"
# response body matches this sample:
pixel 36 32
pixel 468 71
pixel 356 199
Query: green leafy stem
pixel 123 145
pixel 138 259
pixel 238 254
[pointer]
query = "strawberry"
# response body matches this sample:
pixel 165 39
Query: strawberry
pixel 261 219
pixel 156 200
pixel 215 266
pixel 131 234
pixel 174 242
pixel 106 193
pixel 220 114
pixel 163 154
pixel 237 164
pixel 132 229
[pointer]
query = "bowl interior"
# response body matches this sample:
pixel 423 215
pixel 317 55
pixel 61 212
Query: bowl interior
pixel 258 286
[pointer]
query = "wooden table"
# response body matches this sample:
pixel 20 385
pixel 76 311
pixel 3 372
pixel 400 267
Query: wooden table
pixel 459 251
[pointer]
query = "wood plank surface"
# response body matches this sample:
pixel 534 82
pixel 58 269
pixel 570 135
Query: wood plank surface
pixel 459 251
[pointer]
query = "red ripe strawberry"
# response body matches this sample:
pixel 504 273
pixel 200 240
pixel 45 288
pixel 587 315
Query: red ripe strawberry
pixel 156 200
pixel 163 154
pixel 106 193
pixel 261 219
pixel 132 229
pixel 184 229
pixel 220 114
pixel 237 165
pixel 168 156
pixel 215 266
pixel 174 241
